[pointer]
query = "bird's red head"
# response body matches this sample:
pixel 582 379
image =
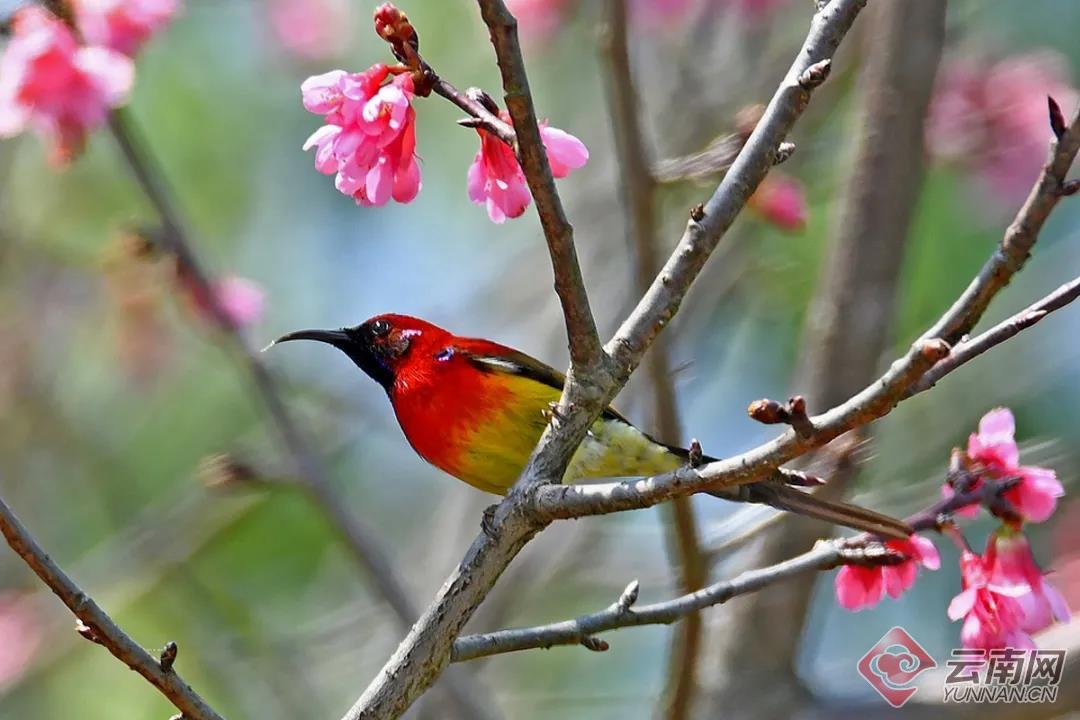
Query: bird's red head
pixel 383 345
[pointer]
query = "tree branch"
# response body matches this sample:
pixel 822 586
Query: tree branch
pixel 638 190
pixel 825 555
pixel 426 651
pixel 99 627
pixel 968 350
pixel 361 540
pixel 871 403
pixel 585 351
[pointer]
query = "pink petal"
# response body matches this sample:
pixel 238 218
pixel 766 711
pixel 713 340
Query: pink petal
pixel 926 552
pixel 407 181
pixel 113 73
pixel 565 152
pixel 379 182
pixel 899 578
pixel 962 604
pixel 858 587
pixel 241 300
pixel 322 94
pixel 1035 497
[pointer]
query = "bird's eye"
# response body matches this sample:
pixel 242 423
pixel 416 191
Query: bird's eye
pixel 380 328
pixel 444 354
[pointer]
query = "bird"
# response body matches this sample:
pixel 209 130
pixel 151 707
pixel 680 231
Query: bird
pixel 475 409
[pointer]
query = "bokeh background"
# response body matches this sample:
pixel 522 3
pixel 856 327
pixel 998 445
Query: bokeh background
pixel 113 390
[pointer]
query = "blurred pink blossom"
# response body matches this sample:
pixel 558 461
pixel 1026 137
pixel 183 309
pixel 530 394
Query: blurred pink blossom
pixel 241 299
pixel 992 614
pixel 369 139
pixel 992 117
pixel 123 25
pixel 994 452
pixel 50 83
pixel 539 20
pixel 311 29
pixel 859 587
pixel 780 200
pixel 496 180
pixel 1010 563
pixel 20 637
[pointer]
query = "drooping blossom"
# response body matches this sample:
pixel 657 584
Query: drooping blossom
pixel 992 613
pixel 52 84
pixel 994 453
pixel 1011 564
pixel 496 180
pixel 991 117
pixel 369 139
pixel 859 587
pixel 123 25
pixel 20 637
pixel 780 200
pixel 311 29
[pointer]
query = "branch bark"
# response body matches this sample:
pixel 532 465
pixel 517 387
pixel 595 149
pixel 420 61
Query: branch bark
pixel 100 627
pixel 361 541
pixel 638 189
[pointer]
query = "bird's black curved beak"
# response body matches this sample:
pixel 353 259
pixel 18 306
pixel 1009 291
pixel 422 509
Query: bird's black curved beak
pixel 338 338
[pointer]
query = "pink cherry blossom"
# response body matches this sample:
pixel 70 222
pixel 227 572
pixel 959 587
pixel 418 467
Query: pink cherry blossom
pixel 51 83
pixel 1011 564
pixel 780 200
pixel 311 29
pixel 123 25
pixel 20 637
pixel 369 140
pixel 993 616
pixel 991 117
pixel 994 453
pixel 859 587
pixel 496 180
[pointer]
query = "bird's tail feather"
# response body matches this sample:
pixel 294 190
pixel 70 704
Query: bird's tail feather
pixel 793 500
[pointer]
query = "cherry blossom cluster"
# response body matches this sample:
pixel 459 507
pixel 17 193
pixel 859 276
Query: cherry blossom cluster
pixel 368 141
pixel 62 80
pixel 1005 596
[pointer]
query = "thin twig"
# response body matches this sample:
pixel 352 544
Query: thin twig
pixel 361 540
pixel 968 350
pixel 638 190
pixel 586 353
pixel 99 627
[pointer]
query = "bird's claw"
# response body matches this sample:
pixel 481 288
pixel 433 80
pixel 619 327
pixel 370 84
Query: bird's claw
pixel 487 521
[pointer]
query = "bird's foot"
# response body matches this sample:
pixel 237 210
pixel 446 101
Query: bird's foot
pixel 553 414
pixel 487 521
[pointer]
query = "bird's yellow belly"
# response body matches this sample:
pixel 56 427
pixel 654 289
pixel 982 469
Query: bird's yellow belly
pixel 494 461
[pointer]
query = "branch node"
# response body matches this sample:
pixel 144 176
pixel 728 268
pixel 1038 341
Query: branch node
pixel 934 349
pixel 629 597
pixel 594 644
pixel 697 213
pixel 168 656
pixel 783 152
pixel 87 632
pixel 771 412
pixel 478 95
pixel 1057 118
pixel 695 455
pixel 816 74
pixel 1070 187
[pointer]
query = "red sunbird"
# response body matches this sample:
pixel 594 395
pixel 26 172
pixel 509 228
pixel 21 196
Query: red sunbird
pixel 475 409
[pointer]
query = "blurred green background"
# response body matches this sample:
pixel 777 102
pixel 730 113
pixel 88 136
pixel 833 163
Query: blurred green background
pixel 104 419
